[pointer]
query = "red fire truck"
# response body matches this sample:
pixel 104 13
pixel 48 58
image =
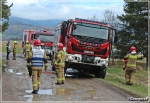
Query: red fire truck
pixel 88 44
pixel 46 37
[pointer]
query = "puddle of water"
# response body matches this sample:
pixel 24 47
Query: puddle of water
pixel 63 91
pixel 47 91
pixel 93 94
pixel 19 74
pixel 57 91
pixel 33 97
pixel 28 96
pixel 9 70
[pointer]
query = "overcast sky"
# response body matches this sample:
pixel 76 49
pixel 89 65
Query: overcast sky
pixel 64 9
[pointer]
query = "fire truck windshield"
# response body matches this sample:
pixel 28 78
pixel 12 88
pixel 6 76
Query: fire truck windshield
pixel 46 38
pixel 90 30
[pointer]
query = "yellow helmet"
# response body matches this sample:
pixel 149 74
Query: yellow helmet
pixel 15 42
pixel 27 41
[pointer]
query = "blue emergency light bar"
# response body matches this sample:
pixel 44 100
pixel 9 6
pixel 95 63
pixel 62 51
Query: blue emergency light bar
pixel 90 20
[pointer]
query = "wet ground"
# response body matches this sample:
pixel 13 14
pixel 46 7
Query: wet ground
pixel 78 86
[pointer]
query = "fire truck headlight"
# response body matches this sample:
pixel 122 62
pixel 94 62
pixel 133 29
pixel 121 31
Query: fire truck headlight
pixel 103 62
pixel 69 57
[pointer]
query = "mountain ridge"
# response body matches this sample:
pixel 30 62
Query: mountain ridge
pixel 17 25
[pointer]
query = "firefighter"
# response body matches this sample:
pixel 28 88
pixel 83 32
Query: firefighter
pixel 29 66
pixel 37 58
pixel 14 50
pixel 60 64
pixel 131 65
pixel 27 49
pixel 8 50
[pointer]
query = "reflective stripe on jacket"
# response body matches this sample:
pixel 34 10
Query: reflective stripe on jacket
pixel 132 58
pixel 38 56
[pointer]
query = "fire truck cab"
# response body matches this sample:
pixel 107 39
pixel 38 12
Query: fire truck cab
pixel 88 44
pixel 45 36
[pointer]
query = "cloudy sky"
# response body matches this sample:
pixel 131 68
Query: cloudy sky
pixel 64 9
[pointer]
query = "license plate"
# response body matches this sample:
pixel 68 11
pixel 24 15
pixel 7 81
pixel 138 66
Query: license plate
pixel 89 52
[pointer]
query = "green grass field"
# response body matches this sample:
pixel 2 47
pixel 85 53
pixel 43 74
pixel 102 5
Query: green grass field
pixel 2 62
pixel 19 46
pixel 115 75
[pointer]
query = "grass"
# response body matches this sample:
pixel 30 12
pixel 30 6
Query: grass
pixel 2 62
pixel 115 75
pixel 19 46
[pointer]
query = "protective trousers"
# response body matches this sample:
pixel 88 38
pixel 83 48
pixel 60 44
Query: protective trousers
pixel 60 74
pixel 30 71
pixel 36 77
pixel 7 57
pixel 14 55
pixel 27 54
pixel 129 75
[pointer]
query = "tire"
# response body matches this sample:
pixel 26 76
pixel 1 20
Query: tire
pixel 103 73
pixel 100 72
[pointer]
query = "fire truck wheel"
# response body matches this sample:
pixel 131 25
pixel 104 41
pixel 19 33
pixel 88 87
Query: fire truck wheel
pixel 103 73
pixel 100 72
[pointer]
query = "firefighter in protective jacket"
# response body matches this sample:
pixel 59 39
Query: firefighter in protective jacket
pixel 8 50
pixel 27 49
pixel 14 50
pixel 29 66
pixel 131 65
pixel 60 64
pixel 37 59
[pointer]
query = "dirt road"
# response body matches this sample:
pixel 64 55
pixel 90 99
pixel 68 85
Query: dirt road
pixel 16 87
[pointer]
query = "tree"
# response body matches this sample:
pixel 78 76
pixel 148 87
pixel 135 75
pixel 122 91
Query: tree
pixel 5 15
pixel 135 28
pixel 112 20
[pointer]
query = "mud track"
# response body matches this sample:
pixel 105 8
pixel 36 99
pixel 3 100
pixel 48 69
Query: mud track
pixel 16 87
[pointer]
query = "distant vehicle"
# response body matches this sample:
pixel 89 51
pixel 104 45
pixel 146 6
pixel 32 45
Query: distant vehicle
pixel 88 44
pixel 45 36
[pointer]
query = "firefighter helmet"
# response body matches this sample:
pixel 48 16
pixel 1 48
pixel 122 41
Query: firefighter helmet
pixel 60 45
pixel 133 50
pixel 15 42
pixel 37 42
pixel 27 42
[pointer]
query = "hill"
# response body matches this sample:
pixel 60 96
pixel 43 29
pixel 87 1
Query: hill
pixel 17 25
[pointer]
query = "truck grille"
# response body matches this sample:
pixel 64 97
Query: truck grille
pixel 74 48
pixel 88 59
